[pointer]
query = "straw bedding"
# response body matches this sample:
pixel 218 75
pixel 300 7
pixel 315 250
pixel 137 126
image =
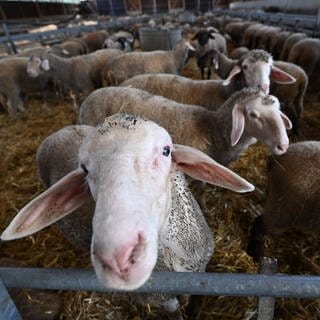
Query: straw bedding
pixel 230 217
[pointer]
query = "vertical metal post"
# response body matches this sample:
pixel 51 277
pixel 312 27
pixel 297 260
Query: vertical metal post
pixel 8 309
pixel 13 46
pixel 266 304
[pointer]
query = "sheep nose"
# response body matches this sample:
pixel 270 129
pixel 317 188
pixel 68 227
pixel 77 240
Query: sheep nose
pixel 264 87
pixel 123 259
pixel 281 148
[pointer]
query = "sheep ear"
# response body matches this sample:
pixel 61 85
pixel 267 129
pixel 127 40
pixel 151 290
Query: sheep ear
pixel 238 122
pixel 279 76
pixel 200 166
pixel 60 199
pixel 287 122
pixel 235 70
pixel 45 65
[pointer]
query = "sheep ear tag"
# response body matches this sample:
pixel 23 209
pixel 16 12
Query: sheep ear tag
pixel 200 166
pixel 45 65
pixel 279 76
pixel 60 199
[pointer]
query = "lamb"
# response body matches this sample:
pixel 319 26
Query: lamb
pixel 292 196
pixel 16 83
pixel 133 63
pixel 223 134
pixel 145 217
pixel 253 70
pixel 81 74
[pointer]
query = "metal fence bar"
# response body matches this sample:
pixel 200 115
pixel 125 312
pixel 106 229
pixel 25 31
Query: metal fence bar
pixel 221 284
pixel 8 309
pixel 266 304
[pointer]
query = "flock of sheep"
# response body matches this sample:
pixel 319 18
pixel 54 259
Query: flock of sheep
pixel 141 125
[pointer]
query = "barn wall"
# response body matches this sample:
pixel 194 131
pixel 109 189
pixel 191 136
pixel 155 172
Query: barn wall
pixel 111 7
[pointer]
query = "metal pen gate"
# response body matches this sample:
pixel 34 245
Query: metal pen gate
pixel 267 285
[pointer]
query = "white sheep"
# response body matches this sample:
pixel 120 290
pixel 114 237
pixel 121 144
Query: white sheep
pixel 80 74
pixel 254 70
pixel 145 217
pixel 247 116
pixel 15 82
pixel 158 61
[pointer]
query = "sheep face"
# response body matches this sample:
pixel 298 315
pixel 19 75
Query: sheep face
pixel 130 184
pixel 126 165
pixel 257 72
pixel 264 121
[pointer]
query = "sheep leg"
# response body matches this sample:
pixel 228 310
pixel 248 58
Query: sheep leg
pixel 74 101
pixel 15 104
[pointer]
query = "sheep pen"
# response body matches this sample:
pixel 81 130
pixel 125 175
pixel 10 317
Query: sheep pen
pixel 230 216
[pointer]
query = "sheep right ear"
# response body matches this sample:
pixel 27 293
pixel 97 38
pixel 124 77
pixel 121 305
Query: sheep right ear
pixel 235 70
pixel 200 166
pixel 59 200
pixel 238 122
pixel 45 65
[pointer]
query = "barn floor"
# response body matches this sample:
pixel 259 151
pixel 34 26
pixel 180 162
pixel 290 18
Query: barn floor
pixel 230 217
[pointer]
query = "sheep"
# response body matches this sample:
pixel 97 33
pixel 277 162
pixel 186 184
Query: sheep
pixel 277 42
pixel 223 134
pixel 205 62
pixel 72 47
pixel 288 44
pixel 133 63
pixel 123 38
pixel 252 70
pixel 94 40
pixel 291 95
pixel 293 194
pixel 236 30
pixel 237 53
pixel 16 83
pixel 145 217
pixel 248 39
pixel 306 54
pixel 81 74
pixel 208 40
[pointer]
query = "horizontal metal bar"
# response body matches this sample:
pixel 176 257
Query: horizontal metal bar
pixel 116 23
pixel 216 284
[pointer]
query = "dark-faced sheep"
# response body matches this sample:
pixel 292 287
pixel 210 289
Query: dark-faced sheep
pixel 145 217
pixel 293 196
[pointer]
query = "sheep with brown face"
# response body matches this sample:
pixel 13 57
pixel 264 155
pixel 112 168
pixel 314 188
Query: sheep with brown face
pixel 293 196
pixel 145 217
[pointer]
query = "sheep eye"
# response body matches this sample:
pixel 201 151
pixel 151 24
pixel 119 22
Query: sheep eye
pixel 253 115
pixel 245 67
pixel 83 167
pixel 166 151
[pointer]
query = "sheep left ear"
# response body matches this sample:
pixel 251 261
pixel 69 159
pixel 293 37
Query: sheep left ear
pixel 235 70
pixel 200 166
pixel 279 76
pixel 286 121
pixel 238 122
pixel 59 200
